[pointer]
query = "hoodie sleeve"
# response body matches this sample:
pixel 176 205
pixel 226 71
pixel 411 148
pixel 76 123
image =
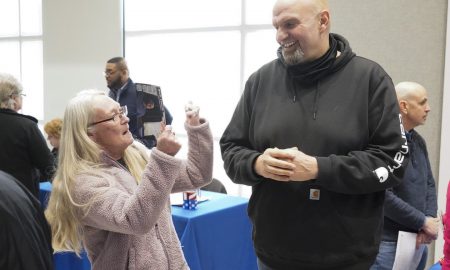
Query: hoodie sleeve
pixel 381 163
pixel 237 152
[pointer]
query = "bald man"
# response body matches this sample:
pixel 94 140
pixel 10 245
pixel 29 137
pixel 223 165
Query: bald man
pixel 412 205
pixel 317 135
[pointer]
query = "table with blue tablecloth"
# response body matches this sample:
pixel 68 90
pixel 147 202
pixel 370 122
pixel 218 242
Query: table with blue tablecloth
pixel 216 236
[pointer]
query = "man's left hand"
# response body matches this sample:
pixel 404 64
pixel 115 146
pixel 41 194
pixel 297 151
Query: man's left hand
pixel 306 167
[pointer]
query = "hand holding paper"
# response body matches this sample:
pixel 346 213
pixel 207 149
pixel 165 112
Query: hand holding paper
pixel 407 256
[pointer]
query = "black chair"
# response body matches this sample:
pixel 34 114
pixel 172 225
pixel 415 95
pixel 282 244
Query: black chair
pixel 215 186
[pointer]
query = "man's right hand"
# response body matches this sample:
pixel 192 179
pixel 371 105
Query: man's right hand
pixel 431 227
pixel 275 164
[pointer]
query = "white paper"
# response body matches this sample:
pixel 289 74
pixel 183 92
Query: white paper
pixel 177 199
pixel 407 256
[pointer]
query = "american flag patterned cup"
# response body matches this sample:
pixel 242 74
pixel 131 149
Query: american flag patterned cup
pixel 190 200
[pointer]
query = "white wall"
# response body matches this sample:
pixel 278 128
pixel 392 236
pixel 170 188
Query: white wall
pixel 78 38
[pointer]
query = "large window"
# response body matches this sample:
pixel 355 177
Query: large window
pixel 21 50
pixel 201 50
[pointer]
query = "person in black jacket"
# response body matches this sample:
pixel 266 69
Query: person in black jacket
pixel 123 90
pixel 317 134
pixel 412 205
pixel 24 152
pixel 25 239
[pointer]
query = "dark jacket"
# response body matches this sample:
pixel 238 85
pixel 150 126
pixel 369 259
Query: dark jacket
pixel 130 97
pixel 55 156
pixel 408 204
pixel 25 239
pixel 347 117
pixel 24 153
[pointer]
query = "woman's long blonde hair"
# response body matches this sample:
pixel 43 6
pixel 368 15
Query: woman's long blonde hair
pixel 79 154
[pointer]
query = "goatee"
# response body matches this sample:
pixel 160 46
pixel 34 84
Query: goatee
pixel 293 58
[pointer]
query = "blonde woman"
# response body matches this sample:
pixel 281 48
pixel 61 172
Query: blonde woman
pixel 111 197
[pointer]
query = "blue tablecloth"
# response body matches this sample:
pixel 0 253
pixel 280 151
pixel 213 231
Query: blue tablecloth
pixel 436 266
pixel 44 192
pixel 216 236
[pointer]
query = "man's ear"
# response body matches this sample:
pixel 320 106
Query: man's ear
pixel 324 20
pixel 124 75
pixel 403 104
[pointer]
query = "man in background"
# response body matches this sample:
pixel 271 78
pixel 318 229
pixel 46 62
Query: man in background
pixel 123 90
pixel 25 239
pixel 412 205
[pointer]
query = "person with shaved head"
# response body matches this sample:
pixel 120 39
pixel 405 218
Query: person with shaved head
pixel 412 205
pixel 317 135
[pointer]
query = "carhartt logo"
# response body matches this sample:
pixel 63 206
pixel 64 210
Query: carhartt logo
pixel 382 174
pixel 314 194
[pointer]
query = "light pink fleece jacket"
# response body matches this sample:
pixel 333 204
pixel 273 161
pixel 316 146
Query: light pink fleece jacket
pixel 130 226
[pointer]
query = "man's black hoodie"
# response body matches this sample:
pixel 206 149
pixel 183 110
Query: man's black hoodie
pixel 343 110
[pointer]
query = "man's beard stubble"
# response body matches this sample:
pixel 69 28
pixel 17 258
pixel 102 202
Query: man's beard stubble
pixel 116 84
pixel 293 58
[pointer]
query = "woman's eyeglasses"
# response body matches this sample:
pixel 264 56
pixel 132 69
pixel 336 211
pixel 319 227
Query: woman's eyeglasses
pixel 123 111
